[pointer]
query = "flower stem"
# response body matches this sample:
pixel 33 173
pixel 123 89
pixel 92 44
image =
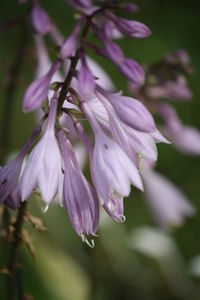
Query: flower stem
pixel 75 59
pixel 12 259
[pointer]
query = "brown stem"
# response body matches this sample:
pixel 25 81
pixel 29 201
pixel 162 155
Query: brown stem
pixel 12 260
pixel 75 59
pixel 73 65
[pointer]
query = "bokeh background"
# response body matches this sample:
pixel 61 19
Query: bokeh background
pixel 134 260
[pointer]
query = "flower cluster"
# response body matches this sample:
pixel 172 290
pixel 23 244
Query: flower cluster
pixel 124 130
pixel 166 81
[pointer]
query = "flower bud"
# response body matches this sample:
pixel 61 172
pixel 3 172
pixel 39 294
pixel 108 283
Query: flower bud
pixel 40 19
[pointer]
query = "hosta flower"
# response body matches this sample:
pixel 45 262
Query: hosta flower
pixel 40 19
pixel 115 207
pixel 43 168
pixel 9 174
pixel 111 169
pixel 133 71
pixel 78 196
pixel 131 28
pixel 85 78
pixel 85 6
pixel 168 203
pixel 69 45
pixel 185 138
pixel 132 112
pixel 38 90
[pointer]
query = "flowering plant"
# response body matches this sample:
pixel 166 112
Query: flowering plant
pixel 72 97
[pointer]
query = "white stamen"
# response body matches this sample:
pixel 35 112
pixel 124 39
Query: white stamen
pixel 44 210
pixel 123 219
pixel 91 243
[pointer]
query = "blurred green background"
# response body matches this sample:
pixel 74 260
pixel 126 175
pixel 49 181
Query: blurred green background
pixel 121 266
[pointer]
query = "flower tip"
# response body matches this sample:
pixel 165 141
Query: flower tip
pixel 91 243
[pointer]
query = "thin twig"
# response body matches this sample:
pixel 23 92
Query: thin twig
pixel 11 280
pixel 75 59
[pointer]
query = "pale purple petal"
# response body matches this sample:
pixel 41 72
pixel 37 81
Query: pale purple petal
pixel 40 19
pixel 79 198
pixel 38 90
pixel 133 71
pixel 169 205
pixel 85 79
pixel 132 112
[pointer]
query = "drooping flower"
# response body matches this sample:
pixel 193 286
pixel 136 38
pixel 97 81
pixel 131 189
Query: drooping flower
pixel 44 165
pixel 69 45
pixel 111 169
pixel 9 174
pixel 40 19
pixel 79 198
pixel 85 6
pixel 167 202
pixel 131 28
pixel 131 111
pixel 133 71
pixel 85 78
pixel 38 90
pixel 115 207
pixel 185 138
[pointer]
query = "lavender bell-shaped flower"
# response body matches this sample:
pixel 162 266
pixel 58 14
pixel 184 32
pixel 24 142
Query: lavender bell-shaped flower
pixel 85 6
pixel 44 165
pixel 70 44
pixel 9 174
pixel 114 52
pixel 131 111
pixel 86 82
pixel 169 205
pixel 133 71
pixel 130 7
pixel 185 138
pixel 79 198
pixel 114 207
pixel 131 28
pixel 111 169
pixel 38 90
pixel 40 19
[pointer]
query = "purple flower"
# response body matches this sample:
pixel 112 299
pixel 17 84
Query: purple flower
pixel 38 90
pixel 85 6
pixel 85 78
pixel 131 28
pixel 133 71
pixel 111 169
pixel 79 198
pixel 168 204
pixel 9 174
pixel 40 19
pixel 170 89
pixel 114 52
pixel 110 31
pixel 115 208
pixel 185 138
pixel 44 164
pixel 132 112
pixel 130 7
pixel 70 44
